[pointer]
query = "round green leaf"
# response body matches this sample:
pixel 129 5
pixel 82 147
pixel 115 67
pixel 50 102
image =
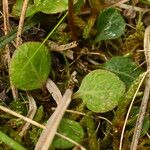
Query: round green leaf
pixel 110 25
pixel 101 90
pixel 30 66
pixel 70 129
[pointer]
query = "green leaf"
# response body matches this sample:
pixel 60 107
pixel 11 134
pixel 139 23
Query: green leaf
pixel 51 6
pixel 30 66
pixel 45 6
pixel 101 90
pixel 125 68
pixel 110 25
pixel 70 129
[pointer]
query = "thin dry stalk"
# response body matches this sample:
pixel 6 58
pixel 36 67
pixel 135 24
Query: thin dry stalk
pixel 135 8
pixel 54 91
pixel 9 111
pixel 139 122
pixel 37 124
pixel 21 22
pixel 30 115
pixel 7 55
pixel 48 134
pixel 118 3
pixel 6 25
pixel 121 4
pixel 127 116
pixel 84 114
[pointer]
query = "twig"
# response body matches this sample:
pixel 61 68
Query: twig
pixel 135 8
pixel 48 134
pixel 118 3
pixel 21 117
pixel 31 114
pixel 121 4
pixel 7 55
pixel 21 22
pixel 139 122
pixel 6 16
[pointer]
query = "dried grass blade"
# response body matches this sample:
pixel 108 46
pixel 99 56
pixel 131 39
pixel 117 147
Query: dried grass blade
pixel 139 122
pixel 48 134
pixel 54 91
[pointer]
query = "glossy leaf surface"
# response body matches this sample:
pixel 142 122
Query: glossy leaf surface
pixel 110 25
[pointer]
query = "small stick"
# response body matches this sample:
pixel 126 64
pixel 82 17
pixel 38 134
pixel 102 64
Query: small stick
pixel 118 3
pixel 7 55
pixel 139 122
pixel 135 8
pixel 54 91
pixel 21 22
pixel 9 111
pixel 48 134
pixel 122 5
